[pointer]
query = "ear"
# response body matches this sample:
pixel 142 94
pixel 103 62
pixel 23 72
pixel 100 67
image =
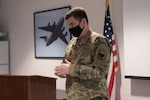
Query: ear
pixel 84 21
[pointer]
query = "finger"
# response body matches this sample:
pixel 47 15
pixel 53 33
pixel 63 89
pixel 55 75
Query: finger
pixel 58 68
pixel 59 71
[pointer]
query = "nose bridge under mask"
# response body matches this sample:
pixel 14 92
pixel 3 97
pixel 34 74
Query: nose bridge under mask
pixel 76 31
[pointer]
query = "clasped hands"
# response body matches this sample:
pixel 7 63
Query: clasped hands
pixel 63 69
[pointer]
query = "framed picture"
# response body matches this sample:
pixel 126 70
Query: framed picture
pixel 51 33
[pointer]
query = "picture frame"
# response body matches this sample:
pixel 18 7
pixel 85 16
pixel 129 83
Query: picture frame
pixel 51 34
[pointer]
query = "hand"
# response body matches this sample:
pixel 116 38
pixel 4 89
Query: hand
pixel 63 69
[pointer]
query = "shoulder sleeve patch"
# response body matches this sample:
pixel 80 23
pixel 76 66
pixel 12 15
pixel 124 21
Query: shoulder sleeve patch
pixel 102 53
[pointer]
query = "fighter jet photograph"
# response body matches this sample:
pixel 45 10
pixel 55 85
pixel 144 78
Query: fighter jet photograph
pixel 56 30
pixel 51 33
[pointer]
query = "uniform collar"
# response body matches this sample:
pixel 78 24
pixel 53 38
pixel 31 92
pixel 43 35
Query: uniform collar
pixel 85 39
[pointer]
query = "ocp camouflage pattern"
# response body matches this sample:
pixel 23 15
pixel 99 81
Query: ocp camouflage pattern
pixel 90 59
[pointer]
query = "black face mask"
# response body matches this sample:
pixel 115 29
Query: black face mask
pixel 76 31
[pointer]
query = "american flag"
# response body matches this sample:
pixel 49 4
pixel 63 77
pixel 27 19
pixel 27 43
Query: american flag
pixel 108 32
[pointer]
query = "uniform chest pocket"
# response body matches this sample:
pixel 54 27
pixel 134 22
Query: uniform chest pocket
pixel 85 57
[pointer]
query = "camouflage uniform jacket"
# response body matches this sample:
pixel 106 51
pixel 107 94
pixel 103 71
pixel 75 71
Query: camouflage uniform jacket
pixel 90 59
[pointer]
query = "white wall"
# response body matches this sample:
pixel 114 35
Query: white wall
pixel 136 37
pixel 17 16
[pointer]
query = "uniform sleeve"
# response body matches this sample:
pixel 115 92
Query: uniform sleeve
pixel 100 61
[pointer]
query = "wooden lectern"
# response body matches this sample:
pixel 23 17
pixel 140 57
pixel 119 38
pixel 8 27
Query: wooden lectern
pixel 14 87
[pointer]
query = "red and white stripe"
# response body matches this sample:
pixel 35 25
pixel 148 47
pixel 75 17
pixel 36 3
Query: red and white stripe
pixel 111 81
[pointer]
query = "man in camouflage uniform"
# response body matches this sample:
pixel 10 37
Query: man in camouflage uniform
pixel 87 59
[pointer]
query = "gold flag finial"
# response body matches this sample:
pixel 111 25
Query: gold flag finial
pixel 107 4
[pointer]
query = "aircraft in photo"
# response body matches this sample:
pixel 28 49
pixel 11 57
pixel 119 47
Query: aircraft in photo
pixel 56 31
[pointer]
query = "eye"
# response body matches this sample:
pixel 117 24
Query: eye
pixel 71 25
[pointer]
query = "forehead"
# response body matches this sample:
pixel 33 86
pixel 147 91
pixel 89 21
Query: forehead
pixel 72 21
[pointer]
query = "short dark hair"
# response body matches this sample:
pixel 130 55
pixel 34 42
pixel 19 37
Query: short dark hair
pixel 78 13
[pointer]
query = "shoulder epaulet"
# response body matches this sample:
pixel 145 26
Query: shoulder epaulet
pixel 94 35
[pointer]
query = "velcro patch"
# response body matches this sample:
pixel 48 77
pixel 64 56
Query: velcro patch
pixel 101 55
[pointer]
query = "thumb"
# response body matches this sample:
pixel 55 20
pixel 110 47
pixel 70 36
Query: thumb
pixel 66 61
